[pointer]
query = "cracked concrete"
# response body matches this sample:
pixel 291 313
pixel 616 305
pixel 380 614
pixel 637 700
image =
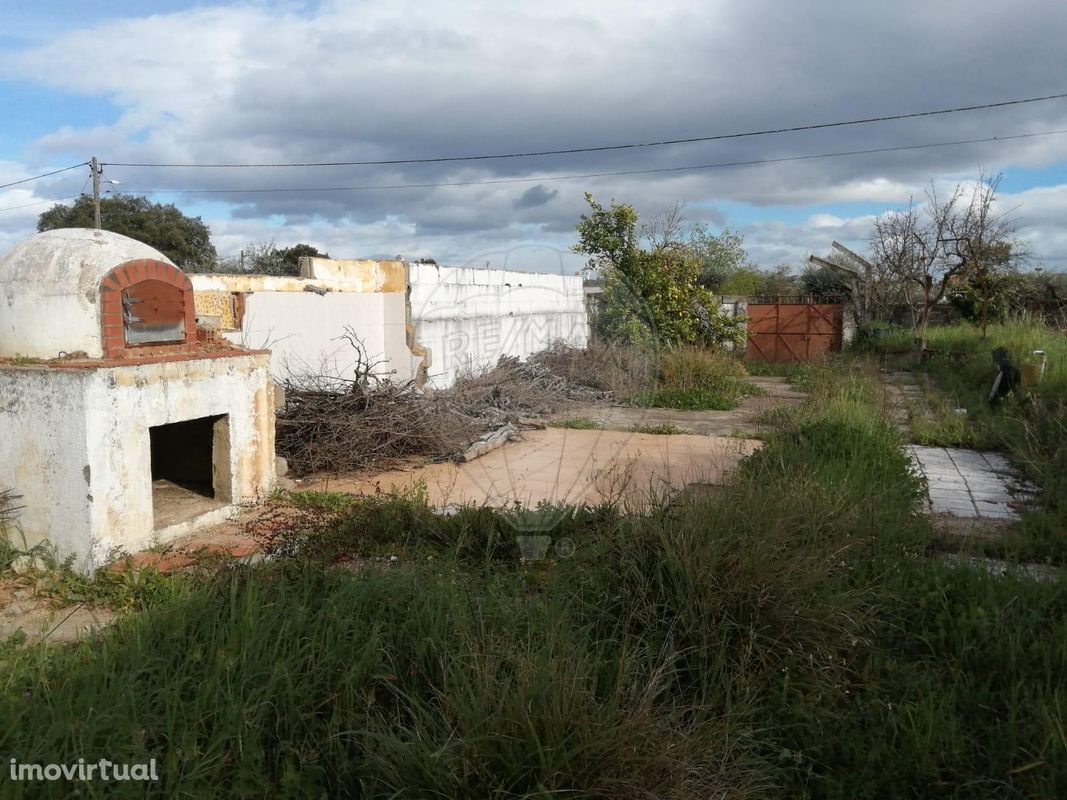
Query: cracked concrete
pixel 967 483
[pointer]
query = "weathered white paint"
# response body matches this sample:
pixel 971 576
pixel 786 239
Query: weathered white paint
pixel 305 332
pixel 75 444
pixel 414 317
pixel 50 290
pixel 303 320
pixel 466 318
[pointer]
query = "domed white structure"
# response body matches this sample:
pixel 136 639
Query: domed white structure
pixel 55 289
pixel 119 427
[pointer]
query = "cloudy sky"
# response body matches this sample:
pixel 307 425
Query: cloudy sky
pixel 283 82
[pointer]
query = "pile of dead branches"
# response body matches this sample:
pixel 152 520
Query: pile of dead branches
pixel 610 368
pixel 321 430
pixel 338 424
pixel 518 387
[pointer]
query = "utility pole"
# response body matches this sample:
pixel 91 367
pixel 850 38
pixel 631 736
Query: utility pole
pixel 94 165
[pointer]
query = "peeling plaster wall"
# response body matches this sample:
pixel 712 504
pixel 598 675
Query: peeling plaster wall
pixel 44 453
pixel 419 318
pixel 466 318
pixel 302 320
pixel 75 444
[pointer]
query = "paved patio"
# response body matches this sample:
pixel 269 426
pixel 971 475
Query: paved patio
pixel 967 483
pixel 558 465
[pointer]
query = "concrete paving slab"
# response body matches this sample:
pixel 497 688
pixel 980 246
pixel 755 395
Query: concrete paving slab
pixel 969 483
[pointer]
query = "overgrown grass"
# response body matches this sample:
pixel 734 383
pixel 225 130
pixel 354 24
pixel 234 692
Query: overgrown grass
pixel 693 378
pixel 783 637
pixel 37 567
pixel 1030 427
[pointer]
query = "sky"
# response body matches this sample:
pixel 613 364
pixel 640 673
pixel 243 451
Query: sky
pixel 171 82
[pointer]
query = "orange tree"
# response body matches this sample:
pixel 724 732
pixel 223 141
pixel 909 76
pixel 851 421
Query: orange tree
pixel 654 289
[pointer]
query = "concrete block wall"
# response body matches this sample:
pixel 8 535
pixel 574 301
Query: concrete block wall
pixel 465 318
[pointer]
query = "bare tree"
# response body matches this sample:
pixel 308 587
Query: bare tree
pixel 664 231
pixel 929 247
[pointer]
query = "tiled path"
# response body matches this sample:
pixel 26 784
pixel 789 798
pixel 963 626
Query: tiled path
pixel 966 483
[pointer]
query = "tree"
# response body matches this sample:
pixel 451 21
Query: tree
pixel 746 281
pixel 720 256
pixel 823 280
pixel 655 286
pixel 944 241
pixel 265 258
pixel 184 240
pixel 987 300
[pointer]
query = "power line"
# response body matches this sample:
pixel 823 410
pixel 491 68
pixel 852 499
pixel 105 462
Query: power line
pixel 548 178
pixel 45 175
pixel 602 148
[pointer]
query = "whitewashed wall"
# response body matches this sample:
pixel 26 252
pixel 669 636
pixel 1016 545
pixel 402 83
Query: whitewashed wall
pixel 460 318
pixel 465 318
pixel 305 332
pixel 303 320
pixel 75 444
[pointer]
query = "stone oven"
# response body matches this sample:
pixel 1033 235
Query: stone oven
pixel 122 424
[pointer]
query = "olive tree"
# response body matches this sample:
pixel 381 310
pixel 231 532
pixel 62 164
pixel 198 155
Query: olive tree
pixel 651 285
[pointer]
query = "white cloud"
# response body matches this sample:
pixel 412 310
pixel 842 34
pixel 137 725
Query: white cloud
pixel 275 82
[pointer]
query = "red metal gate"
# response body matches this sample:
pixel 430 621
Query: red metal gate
pixel 793 331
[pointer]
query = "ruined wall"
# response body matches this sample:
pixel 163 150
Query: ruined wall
pixel 303 320
pixel 75 444
pixel 465 318
pixel 420 320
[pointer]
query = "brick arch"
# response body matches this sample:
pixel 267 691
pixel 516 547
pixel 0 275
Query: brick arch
pixel 113 290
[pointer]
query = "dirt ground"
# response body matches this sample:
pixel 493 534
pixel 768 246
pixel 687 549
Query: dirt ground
pixel 611 464
pixel 22 609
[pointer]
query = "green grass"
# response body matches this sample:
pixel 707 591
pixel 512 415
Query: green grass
pixel 576 423
pixel 783 637
pixel 695 379
pixel 37 567
pixel 723 397
pixel 660 430
pixel 780 370
pixel 1030 428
